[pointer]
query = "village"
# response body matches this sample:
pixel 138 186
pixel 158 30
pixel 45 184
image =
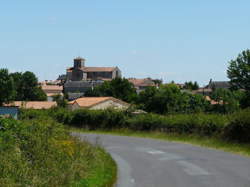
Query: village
pixel 80 78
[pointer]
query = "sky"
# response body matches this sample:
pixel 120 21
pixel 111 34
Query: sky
pixel 176 40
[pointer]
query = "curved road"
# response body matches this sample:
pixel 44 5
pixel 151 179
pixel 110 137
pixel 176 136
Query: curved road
pixel 154 163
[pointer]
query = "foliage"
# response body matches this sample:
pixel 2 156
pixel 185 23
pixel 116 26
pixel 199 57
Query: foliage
pixel 191 86
pixel 239 71
pixel 118 88
pixel 231 126
pixel 157 81
pixel 26 86
pixel 60 100
pixel 239 127
pixel 170 99
pixel 41 153
pixel 7 91
pixel 228 101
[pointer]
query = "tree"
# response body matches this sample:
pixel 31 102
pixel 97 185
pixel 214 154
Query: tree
pixel 119 88
pixel 197 103
pixel 167 99
pixel 191 86
pixel 27 88
pixel 227 100
pixel 60 100
pixel 239 71
pixel 7 90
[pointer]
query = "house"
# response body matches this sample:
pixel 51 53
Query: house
pixel 80 87
pixel 141 84
pixel 213 102
pixel 52 90
pixel 203 91
pixel 33 104
pixel 97 103
pixel 9 111
pixel 218 84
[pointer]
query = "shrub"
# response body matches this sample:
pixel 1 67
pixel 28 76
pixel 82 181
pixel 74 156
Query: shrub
pixel 41 153
pixel 239 127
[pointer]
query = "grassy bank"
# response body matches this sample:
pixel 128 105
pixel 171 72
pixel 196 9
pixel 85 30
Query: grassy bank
pixel 209 142
pixel 40 152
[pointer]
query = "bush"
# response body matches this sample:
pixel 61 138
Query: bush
pixel 202 124
pixel 41 153
pixel 231 126
pixel 239 127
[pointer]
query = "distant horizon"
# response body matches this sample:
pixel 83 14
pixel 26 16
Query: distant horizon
pixel 175 41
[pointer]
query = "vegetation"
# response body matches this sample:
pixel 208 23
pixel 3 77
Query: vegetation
pixel 239 70
pixel 118 88
pixel 191 86
pixel 209 125
pixel 27 88
pixel 7 91
pixel 19 87
pixel 169 99
pixel 42 153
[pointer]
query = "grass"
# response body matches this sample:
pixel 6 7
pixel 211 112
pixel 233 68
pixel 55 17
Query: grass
pixel 103 172
pixel 41 152
pixel 208 142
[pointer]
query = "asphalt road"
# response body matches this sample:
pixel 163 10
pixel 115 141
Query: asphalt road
pixel 154 163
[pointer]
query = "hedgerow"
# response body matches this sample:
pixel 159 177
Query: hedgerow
pixel 231 126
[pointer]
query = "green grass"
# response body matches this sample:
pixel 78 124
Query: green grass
pixel 208 142
pixel 41 152
pixel 103 172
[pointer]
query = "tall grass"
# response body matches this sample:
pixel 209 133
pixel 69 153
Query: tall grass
pixel 40 152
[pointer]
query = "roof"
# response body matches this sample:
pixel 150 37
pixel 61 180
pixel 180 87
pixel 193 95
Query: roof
pixel 33 104
pixel 78 84
pixel 141 82
pixel 99 69
pixel 94 69
pixel 219 84
pixel 87 102
pixel 52 87
pixel 213 102
pixel 202 90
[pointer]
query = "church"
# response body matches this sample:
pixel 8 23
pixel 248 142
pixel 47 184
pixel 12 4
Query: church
pixel 80 72
pixel 80 78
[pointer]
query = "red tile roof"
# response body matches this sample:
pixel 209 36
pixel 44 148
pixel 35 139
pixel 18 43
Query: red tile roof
pixel 33 104
pixel 141 82
pixel 94 69
pixel 52 88
pixel 87 102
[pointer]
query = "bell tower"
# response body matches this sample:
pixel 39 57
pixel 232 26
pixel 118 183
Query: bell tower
pixel 79 63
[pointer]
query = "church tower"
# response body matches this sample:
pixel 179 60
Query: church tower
pixel 79 63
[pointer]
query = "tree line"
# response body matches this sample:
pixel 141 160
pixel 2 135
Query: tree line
pixel 164 99
pixel 19 87
pixel 169 98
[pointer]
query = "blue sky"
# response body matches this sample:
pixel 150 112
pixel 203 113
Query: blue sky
pixel 176 40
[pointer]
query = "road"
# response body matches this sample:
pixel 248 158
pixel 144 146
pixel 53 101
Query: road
pixel 154 163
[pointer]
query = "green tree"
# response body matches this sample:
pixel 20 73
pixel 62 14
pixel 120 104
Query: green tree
pixel 197 103
pixel 27 88
pixel 239 71
pixel 167 99
pixel 228 101
pixel 191 85
pixel 119 88
pixel 7 90
pixel 60 100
